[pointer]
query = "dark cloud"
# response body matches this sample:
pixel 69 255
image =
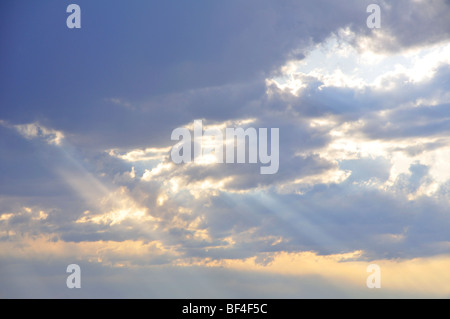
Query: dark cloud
pixel 406 24
pixel 139 52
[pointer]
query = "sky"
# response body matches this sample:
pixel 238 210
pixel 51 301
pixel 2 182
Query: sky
pixel 86 176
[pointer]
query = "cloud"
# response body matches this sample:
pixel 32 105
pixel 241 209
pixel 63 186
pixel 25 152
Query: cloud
pixel 34 130
pixel 302 275
pixel 363 177
pixel 407 25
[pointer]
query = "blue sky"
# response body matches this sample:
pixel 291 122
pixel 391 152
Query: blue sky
pixel 86 117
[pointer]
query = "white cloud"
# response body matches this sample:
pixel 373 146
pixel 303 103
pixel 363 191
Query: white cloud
pixel 336 62
pixel 140 155
pixel 37 131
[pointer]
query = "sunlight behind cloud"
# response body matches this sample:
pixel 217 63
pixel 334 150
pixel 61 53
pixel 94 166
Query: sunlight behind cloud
pixel 338 63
